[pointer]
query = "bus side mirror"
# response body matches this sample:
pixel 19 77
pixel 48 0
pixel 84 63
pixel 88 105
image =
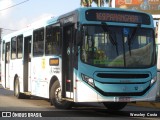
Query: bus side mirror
pixel 78 38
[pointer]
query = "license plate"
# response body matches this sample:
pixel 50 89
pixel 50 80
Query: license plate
pixel 124 99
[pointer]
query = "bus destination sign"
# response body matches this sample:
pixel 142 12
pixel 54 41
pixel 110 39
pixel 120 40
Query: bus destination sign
pixel 117 16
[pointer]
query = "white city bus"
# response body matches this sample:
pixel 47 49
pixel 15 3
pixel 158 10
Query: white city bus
pixel 88 55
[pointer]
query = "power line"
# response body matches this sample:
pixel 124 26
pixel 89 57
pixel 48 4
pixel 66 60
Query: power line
pixel 14 5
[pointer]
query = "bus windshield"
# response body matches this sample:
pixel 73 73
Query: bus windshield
pixel 116 46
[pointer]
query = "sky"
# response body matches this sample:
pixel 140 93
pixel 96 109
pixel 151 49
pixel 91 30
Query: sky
pixel 20 16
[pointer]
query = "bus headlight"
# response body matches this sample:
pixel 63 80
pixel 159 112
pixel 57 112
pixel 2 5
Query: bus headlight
pixel 153 80
pixel 88 80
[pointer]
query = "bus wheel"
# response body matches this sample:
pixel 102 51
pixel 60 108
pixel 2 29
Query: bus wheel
pixel 55 97
pixel 115 106
pixel 17 89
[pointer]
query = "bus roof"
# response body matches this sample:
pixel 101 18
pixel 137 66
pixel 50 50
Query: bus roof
pixel 53 20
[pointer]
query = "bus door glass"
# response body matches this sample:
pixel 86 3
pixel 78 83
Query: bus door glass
pixel 7 64
pixel 67 61
pixel 27 60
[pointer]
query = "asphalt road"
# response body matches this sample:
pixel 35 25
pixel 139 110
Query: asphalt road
pixel 41 107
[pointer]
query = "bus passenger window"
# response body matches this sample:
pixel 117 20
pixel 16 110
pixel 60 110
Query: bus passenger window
pixel 52 40
pixel 3 51
pixel 38 42
pixel 19 46
pixel 7 52
pixel 13 47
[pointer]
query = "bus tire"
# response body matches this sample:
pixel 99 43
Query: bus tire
pixel 115 106
pixel 17 89
pixel 55 97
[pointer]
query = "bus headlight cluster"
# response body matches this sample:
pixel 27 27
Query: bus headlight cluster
pixel 88 80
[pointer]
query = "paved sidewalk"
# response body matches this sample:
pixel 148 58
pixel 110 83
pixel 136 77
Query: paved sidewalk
pixel 147 104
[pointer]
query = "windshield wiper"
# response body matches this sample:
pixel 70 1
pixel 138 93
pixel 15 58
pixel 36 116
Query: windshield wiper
pixel 132 37
pixel 106 29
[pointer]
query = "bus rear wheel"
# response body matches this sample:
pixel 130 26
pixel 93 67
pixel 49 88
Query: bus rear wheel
pixel 115 106
pixel 17 89
pixel 55 97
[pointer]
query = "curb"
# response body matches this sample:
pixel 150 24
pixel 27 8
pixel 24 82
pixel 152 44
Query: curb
pixel 146 104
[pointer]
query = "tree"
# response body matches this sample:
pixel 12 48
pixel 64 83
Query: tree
pixel 88 3
pixel 109 2
pixel 101 2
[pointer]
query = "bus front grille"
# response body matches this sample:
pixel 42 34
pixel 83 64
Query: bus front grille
pixel 125 76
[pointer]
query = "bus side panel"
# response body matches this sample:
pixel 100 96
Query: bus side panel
pixel 16 68
pixel 3 73
pixel 53 69
pixel 3 64
pixel 42 73
pixel 38 82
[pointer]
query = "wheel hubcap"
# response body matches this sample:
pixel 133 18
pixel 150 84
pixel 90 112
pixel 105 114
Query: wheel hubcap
pixel 58 95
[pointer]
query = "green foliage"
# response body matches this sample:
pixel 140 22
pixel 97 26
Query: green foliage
pixel 99 3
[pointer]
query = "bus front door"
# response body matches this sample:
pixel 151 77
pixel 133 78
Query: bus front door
pixel 67 62
pixel 7 65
